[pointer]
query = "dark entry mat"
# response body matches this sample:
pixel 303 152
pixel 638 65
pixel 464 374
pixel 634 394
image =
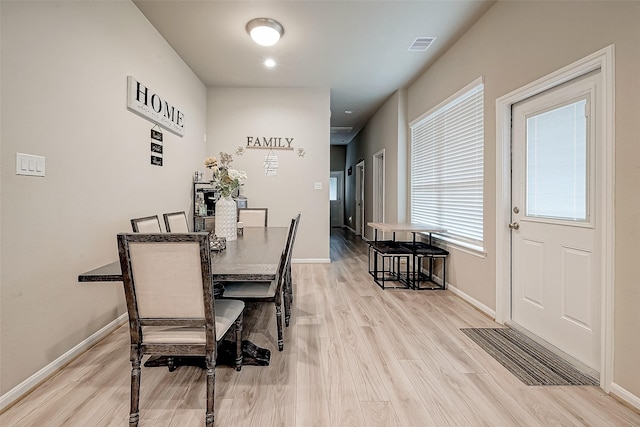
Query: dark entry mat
pixel 530 362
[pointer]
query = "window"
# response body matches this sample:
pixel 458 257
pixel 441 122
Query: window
pixel 557 156
pixel 333 188
pixel 447 162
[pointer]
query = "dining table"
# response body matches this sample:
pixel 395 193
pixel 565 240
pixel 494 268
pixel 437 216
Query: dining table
pixel 253 256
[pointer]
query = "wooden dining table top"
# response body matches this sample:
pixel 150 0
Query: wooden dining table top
pixel 253 256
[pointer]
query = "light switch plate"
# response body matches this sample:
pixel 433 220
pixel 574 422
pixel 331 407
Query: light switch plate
pixel 28 164
pixel 317 185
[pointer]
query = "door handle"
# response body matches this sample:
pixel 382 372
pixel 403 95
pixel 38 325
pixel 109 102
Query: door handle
pixel 514 226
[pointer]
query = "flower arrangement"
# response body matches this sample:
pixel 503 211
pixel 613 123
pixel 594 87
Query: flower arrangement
pixel 225 179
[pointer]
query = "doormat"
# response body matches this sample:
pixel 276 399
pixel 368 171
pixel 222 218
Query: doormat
pixel 526 359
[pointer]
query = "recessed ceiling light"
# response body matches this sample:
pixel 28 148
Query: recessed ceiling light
pixel 348 111
pixel 270 63
pixel 265 31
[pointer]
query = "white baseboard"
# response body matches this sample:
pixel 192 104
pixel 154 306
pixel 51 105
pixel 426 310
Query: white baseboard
pixel 43 374
pixel 349 228
pixel 474 302
pixel 625 395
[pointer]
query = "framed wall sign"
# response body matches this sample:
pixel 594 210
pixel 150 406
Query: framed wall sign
pixel 149 104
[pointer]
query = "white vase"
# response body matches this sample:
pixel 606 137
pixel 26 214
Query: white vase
pixel 226 218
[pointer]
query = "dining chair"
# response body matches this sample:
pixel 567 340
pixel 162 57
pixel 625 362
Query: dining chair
pixel 253 217
pixel 167 285
pixel 147 224
pixel 271 292
pixel 176 222
pixel 288 282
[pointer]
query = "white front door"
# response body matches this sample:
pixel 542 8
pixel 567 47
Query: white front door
pixel 336 196
pixel 555 253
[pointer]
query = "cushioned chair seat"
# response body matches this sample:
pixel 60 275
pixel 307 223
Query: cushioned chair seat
pixel 226 315
pixel 173 335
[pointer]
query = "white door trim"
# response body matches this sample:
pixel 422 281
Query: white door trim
pixel 360 223
pixel 379 186
pixel 603 60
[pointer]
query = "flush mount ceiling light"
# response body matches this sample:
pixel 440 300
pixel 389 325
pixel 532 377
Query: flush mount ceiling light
pixel 265 31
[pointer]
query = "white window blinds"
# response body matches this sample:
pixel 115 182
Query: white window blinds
pixel 447 146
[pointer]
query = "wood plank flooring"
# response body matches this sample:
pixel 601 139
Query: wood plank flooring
pixel 355 355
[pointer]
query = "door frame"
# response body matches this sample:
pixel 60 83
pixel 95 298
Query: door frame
pixel 604 61
pixel 360 198
pixel 379 185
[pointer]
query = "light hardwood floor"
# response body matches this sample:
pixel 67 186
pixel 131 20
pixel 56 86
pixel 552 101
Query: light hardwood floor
pixel 354 355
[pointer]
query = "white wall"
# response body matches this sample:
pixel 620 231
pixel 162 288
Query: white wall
pixel 303 114
pixel 64 69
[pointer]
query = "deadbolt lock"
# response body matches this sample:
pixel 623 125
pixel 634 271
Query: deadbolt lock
pixel 516 210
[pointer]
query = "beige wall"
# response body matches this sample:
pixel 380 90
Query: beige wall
pixel 303 114
pixel 385 131
pixel 338 155
pixel 513 44
pixel 64 70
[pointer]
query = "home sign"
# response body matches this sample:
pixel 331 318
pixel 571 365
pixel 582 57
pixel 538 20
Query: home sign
pixel 144 101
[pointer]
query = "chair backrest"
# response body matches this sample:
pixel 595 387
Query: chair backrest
pixel 176 222
pixel 167 281
pixel 282 265
pixel 253 217
pixel 294 224
pixel 147 224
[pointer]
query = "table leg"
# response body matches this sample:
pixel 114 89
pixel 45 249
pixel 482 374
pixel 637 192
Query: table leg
pixel 252 355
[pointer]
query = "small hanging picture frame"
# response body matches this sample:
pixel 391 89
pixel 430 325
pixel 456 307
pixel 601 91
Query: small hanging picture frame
pixel 271 164
pixel 156 146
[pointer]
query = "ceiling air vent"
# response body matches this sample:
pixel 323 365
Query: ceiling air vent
pixel 420 44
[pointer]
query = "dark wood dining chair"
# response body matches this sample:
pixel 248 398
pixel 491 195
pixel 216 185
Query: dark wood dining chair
pixel 288 282
pixel 253 217
pixel 147 224
pixel 270 292
pixel 169 296
pixel 176 222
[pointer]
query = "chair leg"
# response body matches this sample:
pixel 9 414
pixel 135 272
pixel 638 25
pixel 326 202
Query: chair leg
pixel 279 321
pixel 211 385
pixel 239 321
pixel 134 413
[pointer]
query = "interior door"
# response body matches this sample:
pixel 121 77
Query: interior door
pixel 554 265
pixel 336 197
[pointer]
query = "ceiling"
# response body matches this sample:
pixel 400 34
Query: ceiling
pixel 357 49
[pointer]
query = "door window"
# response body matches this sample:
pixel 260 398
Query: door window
pixel 557 151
